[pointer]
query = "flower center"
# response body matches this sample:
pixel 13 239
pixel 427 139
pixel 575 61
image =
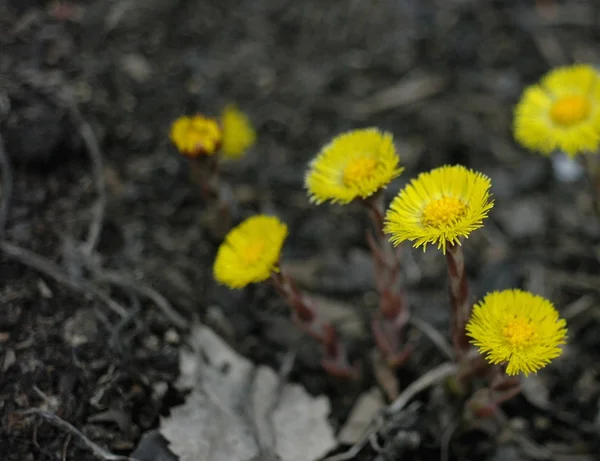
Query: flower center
pixel 359 169
pixel 252 252
pixel 519 332
pixel 569 110
pixel 203 133
pixel 443 211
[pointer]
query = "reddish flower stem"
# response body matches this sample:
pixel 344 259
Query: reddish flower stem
pixel 501 389
pixel 306 316
pixel 460 299
pixel 205 172
pixel 389 322
pixel 591 163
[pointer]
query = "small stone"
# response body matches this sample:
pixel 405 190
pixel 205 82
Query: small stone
pixel 136 66
pixel 172 337
pixel 506 452
pixel 566 169
pixel 81 328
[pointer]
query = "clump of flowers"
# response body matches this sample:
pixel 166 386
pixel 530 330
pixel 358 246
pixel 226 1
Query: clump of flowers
pixel 440 207
pixel 251 253
pixel 514 331
pixel 517 329
pixel 357 166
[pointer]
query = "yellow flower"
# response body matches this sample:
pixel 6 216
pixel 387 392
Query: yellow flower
pixel 439 207
pixel 517 328
pixel 561 112
pixel 354 164
pixel 238 134
pixel 250 252
pixel 195 136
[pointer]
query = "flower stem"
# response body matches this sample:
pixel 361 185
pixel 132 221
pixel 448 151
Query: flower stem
pixel 389 322
pixel 591 163
pixel 501 389
pixel 205 172
pixel 460 300
pixel 305 314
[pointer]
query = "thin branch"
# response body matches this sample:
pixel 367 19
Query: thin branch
pixel 93 149
pixel 60 423
pixel 52 270
pixel 163 304
pixel 436 337
pixel 63 98
pixel 7 186
pixel 433 376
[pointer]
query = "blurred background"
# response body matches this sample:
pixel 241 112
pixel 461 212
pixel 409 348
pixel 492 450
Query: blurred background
pixel 442 75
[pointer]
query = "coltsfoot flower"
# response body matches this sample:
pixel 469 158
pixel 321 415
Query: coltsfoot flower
pixel 439 207
pixel 238 133
pixel 561 112
pixel 195 136
pixel 518 328
pixel 353 165
pixel 250 252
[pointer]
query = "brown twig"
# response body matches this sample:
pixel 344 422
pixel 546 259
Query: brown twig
pixel 93 149
pixel 52 270
pixel 7 183
pixel 60 423
pixel 161 302
pixel 432 377
pixel 434 335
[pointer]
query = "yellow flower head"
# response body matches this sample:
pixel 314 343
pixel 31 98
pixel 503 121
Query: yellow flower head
pixel 238 134
pixel 561 112
pixel 195 136
pixel 517 328
pixel 439 207
pixel 354 164
pixel 250 252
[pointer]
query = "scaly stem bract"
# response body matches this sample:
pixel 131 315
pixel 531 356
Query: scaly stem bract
pixel 460 299
pixel 389 322
pixel 306 316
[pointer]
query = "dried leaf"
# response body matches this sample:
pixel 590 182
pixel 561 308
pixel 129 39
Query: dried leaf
pixel 230 409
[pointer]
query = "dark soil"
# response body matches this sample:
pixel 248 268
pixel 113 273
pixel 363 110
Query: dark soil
pixel 441 75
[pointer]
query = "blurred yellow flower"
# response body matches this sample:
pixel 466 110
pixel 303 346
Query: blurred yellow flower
pixel 196 136
pixel 561 112
pixel 439 207
pixel 250 252
pixel 518 328
pixel 238 133
pixel 354 164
